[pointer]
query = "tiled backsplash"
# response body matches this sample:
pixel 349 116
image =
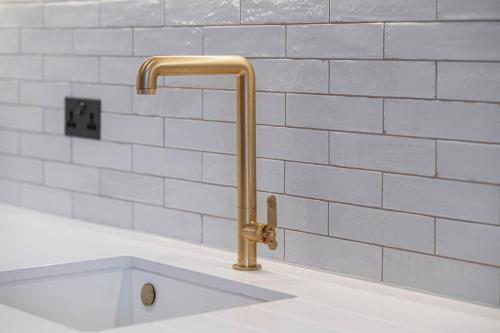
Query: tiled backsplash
pixel 378 128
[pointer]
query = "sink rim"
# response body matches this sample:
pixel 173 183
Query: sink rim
pixel 132 262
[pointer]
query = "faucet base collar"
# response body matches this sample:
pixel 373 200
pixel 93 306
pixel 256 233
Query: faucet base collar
pixel 239 267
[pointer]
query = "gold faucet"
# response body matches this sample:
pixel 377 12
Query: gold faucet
pixel 250 232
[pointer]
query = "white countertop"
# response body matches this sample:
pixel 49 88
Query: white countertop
pixel 324 303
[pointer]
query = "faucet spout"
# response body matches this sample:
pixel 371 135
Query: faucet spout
pixel 249 231
pixel 153 67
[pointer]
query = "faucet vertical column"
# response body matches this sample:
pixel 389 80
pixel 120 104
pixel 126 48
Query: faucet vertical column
pixel 251 161
pixel 241 169
pixel 246 169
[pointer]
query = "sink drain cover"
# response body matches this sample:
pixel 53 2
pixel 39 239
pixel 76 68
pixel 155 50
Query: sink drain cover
pixel 148 294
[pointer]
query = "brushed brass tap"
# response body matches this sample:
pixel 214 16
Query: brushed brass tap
pixel 250 232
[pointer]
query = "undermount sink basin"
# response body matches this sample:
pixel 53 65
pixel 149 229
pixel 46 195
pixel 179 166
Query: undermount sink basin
pixel 106 293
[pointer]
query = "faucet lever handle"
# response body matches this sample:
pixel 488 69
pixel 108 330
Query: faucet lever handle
pixel 272 222
pixel 272 214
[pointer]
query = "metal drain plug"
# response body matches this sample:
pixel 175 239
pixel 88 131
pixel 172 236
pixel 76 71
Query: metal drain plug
pixel 148 294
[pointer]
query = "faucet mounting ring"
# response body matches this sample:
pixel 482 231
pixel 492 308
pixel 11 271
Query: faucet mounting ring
pixel 239 267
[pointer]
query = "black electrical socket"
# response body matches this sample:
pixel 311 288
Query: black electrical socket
pixel 83 117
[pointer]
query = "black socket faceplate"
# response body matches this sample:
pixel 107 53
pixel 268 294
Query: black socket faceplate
pixel 83 118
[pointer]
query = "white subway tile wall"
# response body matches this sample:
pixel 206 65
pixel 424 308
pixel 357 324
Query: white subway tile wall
pixel 183 40
pixel 382 10
pixel 378 128
pixel 21 15
pixel 46 146
pixel 9 141
pixel 335 41
pixel 43 93
pixel 9 40
pixel 47 199
pixel 202 12
pixel 46 41
pixel 21 66
pixel 71 177
pixel 248 41
pixel 171 102
pixel 10 91
pixel 112 212
pixel 71 14
pixel 102 41
pixel 167 222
